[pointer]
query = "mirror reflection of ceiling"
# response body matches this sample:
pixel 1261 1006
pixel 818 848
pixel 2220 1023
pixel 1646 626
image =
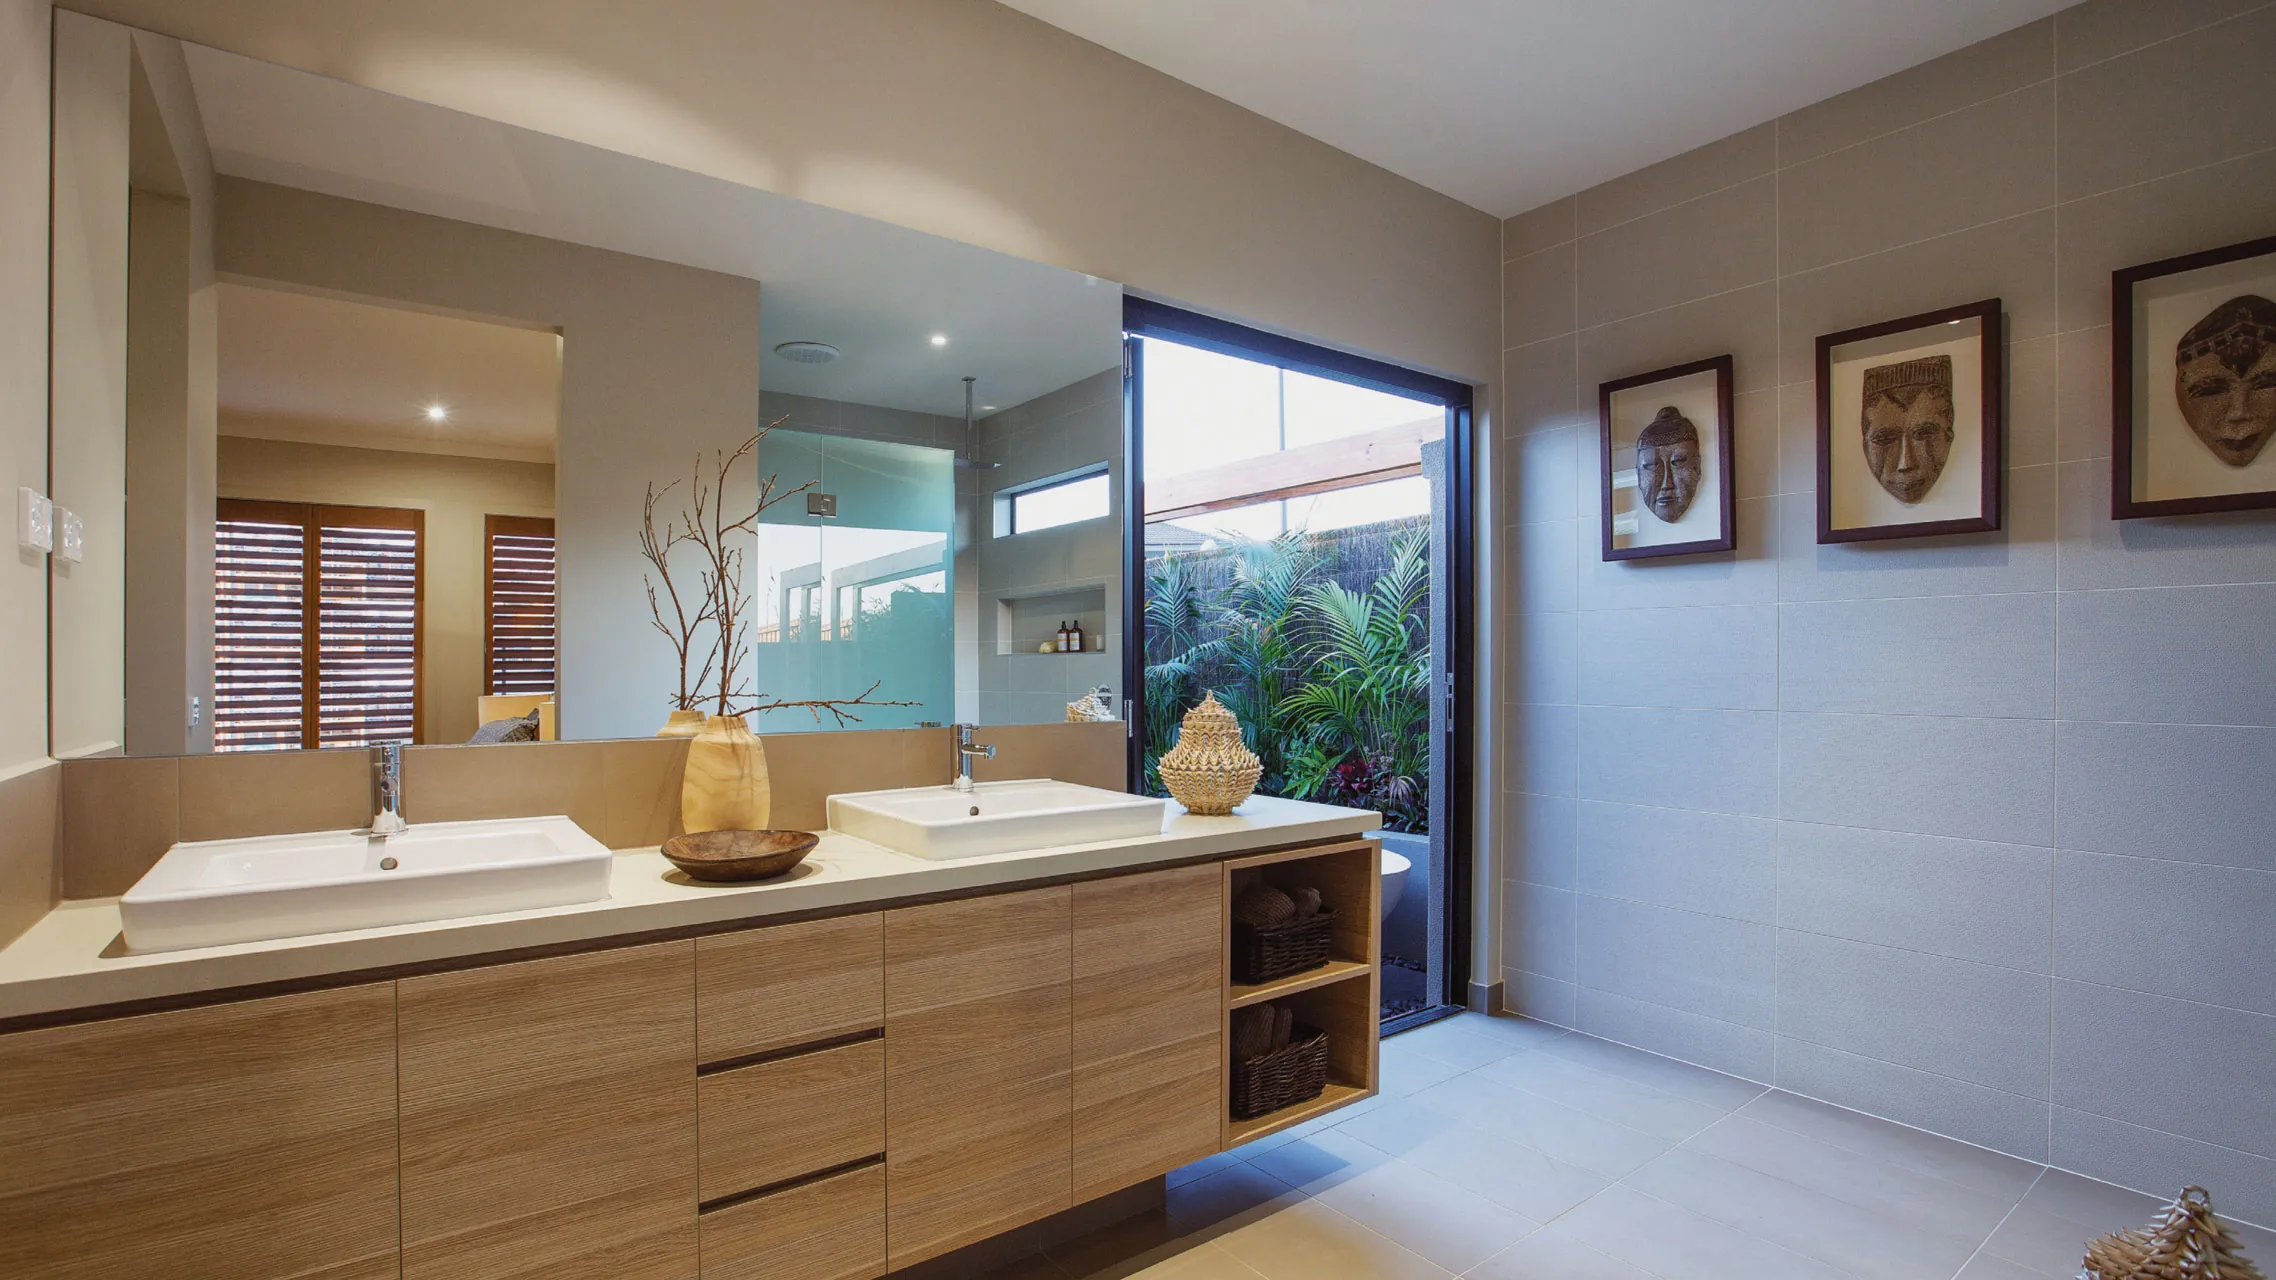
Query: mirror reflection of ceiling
pixel 322 370
pixel 878 293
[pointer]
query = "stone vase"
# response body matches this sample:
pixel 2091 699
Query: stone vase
pixel 725 785
pixel 682 724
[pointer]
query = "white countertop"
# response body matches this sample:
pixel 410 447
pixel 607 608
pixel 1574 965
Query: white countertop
pixel 75 958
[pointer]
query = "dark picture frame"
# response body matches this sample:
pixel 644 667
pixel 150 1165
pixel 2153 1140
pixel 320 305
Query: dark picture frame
pixel 1992 460
pixel 1724 488
pixel 2127 370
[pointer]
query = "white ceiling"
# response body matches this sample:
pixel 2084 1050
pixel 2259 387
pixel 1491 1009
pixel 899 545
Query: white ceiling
pixel 1508 104
pixel 297 366
pixel 875 291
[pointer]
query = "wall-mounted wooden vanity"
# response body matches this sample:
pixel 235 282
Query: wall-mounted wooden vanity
pixel 832 1097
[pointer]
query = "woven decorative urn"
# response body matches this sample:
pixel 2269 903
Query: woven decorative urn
pixel 1210 770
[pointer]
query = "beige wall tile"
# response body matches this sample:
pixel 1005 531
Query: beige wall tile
pixel 1539 392
pixel 1537 296
pixel 2195 100
pixel 30 807
pixel 925 758
pixel 1725 162
pixel 2201 209
pixel 1710 245
pixel 642 777
pixel 1743 323
pixel 1094 755
pixel 1976 165
pixel 1961 78
pixel 2088 33
pixel 267 793
pixel 119 817
pixel 2084 401
pixel 2012 260
pixel 1537 229
pixel 511 780
pixel 807 768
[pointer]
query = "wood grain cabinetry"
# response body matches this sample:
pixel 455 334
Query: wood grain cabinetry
pixel 977 1066
pixel 766 989
pixel 1148 986
pixel 244 1141
pixel 789 1117
pixel 829 1229
pixel 549 1118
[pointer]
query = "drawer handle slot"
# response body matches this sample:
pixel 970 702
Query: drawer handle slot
pixel 794 1051
pixel 787 1184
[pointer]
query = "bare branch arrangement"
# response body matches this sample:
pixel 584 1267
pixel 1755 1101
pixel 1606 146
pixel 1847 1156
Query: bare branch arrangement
pixel 718 612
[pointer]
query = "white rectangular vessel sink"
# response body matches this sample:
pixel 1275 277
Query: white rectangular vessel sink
pixel 993 817
pixel 210 892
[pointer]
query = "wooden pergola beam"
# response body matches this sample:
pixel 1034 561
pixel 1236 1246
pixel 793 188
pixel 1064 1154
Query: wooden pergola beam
pixel 1389 454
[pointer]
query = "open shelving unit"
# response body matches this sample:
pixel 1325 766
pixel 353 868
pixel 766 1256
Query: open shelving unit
pixel 1341 997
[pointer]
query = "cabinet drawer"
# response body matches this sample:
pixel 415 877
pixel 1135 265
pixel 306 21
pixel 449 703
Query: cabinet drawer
pixel 789 1117
pixel 787 985
pixel 831 1229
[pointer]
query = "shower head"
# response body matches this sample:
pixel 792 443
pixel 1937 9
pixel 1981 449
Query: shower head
pixel 964 463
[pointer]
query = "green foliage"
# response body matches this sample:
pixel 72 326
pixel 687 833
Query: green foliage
pixel 1331 686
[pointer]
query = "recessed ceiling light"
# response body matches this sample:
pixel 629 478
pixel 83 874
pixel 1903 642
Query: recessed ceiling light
pixel 940 339
pixel 437 413
pixel 987 408
pixel 807 352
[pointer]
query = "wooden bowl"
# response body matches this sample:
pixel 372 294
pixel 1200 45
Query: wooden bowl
pixel 727 856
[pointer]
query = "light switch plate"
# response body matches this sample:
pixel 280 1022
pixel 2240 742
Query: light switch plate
pixel 70 536
pixel 35 520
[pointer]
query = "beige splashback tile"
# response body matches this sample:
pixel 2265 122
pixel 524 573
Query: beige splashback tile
pixel 1959 79
pixel 1094 755
pixel 805 769
pixel 641 777
pixel 1537 296
pixel 30 809
pixel 1742 323
pixel 266 793
pixel 511 780
pixel 1979 164
pixel 1537 229
pixel 119 817
pixel 2202 209
pixel 1725 162
pixel 1714 244
pixel 2013 260
pixel 2195 100
pixel 1540 390
pixel 2088 33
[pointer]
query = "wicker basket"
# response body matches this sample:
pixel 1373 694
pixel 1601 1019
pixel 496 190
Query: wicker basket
pixel 1283 1077
pixel 1265 955
pixel 1210 770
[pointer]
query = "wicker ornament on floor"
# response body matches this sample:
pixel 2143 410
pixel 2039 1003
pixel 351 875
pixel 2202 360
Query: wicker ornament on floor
pixel 2188 1243
pixel 1210 770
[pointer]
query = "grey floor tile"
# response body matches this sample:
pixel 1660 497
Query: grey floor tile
pixel 1547 1126
pixel 1542 1256
pixel 2041 1243
pixel 1400 1125
pixel 1985 1266
pixel 1192 1214
pixel 1450 1042
pixel 1202 1168
pixel 1862 1242
pixel 1403 1072
pixel 1674 1243
pixel 1309 1241
pixel 1443 1223
pixel 1510 1174
pixel 1987 1171
pixel 1931 1204
pixel 1605 1095
pixel 1314 1164
pixel 1664 1074
pixel 1524 1032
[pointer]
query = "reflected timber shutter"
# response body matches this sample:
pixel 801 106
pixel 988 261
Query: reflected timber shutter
pixel 518 605
pixel 340 665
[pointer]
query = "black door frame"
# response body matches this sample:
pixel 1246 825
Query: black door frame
pixel 1144 318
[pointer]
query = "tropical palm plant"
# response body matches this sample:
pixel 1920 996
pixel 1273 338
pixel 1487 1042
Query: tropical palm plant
pixel 1362 714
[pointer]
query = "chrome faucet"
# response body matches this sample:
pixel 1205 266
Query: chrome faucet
pixel 389 820
pixel 966 751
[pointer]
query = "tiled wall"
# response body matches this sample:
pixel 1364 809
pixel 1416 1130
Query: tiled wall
pixel 29 811
pixel 1973 832
pixel 119 815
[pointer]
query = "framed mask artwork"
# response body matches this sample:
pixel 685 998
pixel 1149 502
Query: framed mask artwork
pixel 1910 426
pixel 1667 461
pixel 2193 383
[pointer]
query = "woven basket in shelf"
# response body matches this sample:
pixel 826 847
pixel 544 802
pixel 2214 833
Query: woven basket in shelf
pixel 1282 1078
pixel 1266 955
pixel 1210 770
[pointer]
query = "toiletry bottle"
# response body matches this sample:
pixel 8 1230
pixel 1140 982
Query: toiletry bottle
pixel 1062 637
pixel 1075 636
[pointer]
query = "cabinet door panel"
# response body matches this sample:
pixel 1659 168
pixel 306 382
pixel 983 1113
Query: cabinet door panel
pixel 830 1229
pixel 549 1116
pixel 245 1140
pixel 977 1061
pixel 784 1119
pixel 1148 1012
